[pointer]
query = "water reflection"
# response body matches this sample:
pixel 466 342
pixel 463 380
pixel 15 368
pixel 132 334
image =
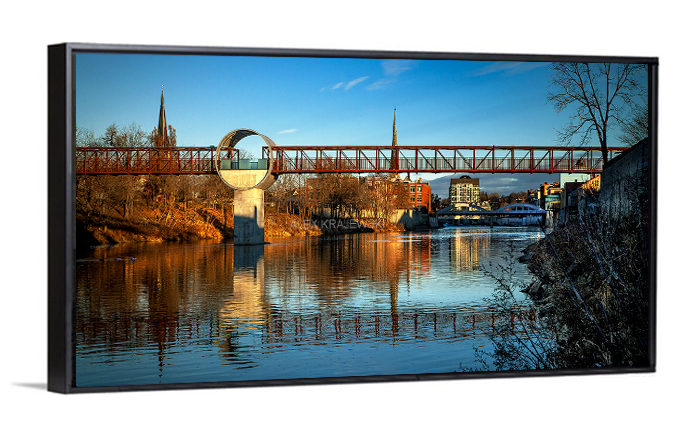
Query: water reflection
pixel 150 313
pixel 465 248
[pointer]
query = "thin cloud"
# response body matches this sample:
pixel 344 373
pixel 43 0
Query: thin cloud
pixel 287 131
pixel 525 66
pixel 507 68
pixel 394 67
pixel 356 81
pixel 380 84
pixel 334 87
pixel 494 68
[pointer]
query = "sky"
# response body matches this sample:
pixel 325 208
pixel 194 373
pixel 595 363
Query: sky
pixel 321 101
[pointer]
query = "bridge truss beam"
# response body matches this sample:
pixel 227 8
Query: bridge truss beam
pixel 346 159
pixel 378 159
pixel 148 160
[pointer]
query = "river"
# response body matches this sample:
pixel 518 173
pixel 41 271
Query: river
pixel 351 305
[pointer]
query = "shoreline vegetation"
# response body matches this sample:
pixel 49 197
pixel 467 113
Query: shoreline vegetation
pixel 590 289
pixel 193 221
pixel 149 208
pixel 590 294
pixel 122 209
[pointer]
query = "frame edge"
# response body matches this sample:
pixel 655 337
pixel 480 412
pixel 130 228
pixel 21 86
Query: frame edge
pixel 61 212
pixel 60 229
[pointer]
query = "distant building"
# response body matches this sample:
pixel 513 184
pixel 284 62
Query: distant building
pixel 406 194
pixel 464 190
pixel 419 193
pixel 570 183
pixel 592 184
pixel 548 196
pixel 416 194
pixel 573 177
pixel 531 197
pixel 162 139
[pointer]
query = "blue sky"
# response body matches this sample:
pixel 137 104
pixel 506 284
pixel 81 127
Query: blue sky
pixel 320 101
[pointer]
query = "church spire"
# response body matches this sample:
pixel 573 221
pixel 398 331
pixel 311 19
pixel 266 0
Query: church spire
pixel 395 153
pixel 162 125
pixel 394 142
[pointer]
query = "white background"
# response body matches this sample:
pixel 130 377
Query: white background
pixel 665 29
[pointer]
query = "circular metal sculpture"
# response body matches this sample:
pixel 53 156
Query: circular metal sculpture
pixel 243 174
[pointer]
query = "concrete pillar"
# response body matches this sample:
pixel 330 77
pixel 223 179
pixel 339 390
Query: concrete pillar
pixel 249 217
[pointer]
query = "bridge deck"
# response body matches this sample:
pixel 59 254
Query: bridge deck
pixel 356 159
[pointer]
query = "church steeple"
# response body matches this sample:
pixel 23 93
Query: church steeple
pixel 395 153
pixel 394 142
pixel 162 125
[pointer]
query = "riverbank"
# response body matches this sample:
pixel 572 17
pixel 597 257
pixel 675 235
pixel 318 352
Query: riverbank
pixel 191 222
pixel 153 224
pixel 528 253
pixel 591 290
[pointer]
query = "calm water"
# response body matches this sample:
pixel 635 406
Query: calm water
pixel 365 304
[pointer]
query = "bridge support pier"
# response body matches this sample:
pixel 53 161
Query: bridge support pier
pixel 249 217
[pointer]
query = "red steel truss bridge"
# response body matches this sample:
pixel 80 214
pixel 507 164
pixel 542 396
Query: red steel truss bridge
pixel 346 159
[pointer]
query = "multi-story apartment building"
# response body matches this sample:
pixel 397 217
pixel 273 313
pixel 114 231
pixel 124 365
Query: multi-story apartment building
pixel 464 190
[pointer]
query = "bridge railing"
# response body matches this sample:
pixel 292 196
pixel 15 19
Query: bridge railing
pixel 147 160
pixel 368 159
pixel 436 159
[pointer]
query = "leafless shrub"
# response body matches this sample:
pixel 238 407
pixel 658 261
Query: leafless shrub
pixel 594 311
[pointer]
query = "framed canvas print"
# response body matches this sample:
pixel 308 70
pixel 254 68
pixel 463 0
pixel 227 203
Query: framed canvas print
pixel 226 217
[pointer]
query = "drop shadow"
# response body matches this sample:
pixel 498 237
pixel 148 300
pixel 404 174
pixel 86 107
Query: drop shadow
pixel 37 386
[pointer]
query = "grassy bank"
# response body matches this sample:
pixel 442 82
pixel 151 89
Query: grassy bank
pixel 153 224
pixel 191 221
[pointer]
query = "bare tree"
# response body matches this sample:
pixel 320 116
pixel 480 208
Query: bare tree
pixel 172 136
pixel 111 137
pixel 602 95
pixel 133 135
pixel 157 140
pixel 116 192
pixel 305 197
pixel 494 200
pixel 85 137
pixel 637 128
pixel 125 136
pixel 282 193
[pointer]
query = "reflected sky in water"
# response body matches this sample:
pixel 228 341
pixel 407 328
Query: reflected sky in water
pixel 364 304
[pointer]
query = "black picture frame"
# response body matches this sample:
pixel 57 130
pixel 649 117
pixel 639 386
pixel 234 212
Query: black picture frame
pixel 62 211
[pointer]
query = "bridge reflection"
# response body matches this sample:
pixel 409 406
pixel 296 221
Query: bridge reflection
pixel 324 328
pixel 311 292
